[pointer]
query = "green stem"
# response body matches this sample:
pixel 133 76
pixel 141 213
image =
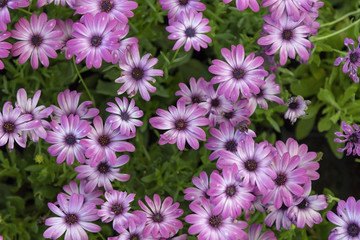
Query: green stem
pixel 339 19
pixel 214 16
pixel 102 237
pixel 39 145
pixel 83 83
pixel 173 58
pixel 313 39
pixel 25 11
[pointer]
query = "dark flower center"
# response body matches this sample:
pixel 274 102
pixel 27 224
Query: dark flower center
pixel 215 221
pixel 9 127
pixel 215 102
pixel 104 140
pixel 281 179
pixel 70 140
pixel 228 115
pixel 103 168
pixel 284 207
pixel 251 165
pixel 157 217
pixel 180 124
pixel 134 237
pixel 287 34
pixel 190 32
pixel 96 41
pixel 206 195
pixel 137 73
pixel 293 105
pixel 71 219
pixel 106 6
pixel 117 209
pixel 354 57
pixel 183 2
pixel 303 205
pixel 353 230
pixel 260 94
pixel 36 40
pixel 124 116
pixel 231 145
pixel 230 190
pixel 238 73
pixel 243 126
pixel 3 3
pixel 196 99
pixel 353 138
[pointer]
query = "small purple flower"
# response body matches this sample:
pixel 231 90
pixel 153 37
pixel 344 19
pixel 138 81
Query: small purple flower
pixel 289 36
pixel 279 216
pixel 13 123
pixel 182 124
pixel 244 4
pixel 293 8
pixel 67 28
pixel 352 61
pixel 104 142
pixel 255 231
pixel 196 93
pixel 137 73
pixel 351 139
pixel 4 11
pixel 238 73
pixel 74 217
pixel 38 39
pixel 71 3
pixel 103 174
pixel 4 47
pixel 202 184
pixel 94 39
pixel 118 55
pixel 175 7
pixel 89 196
pixel 161 218
pixel 28 106
pixel 66 139
pixel 347 220
pixel 124 116
pixel 296 108
pixel 238 115
pixel 189 30
pixel 136 228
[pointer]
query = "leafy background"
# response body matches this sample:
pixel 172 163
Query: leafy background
pixel 30 178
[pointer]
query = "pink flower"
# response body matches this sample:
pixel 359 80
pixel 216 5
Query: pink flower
pixel 118 55
pixel 67 28
pixel 4 47
pixel 89 196
pixel 4 11
pixel 175 7
pixel 296 108
pixel 351 139
pixel 291 8
pixel 255 231
pixel 196 93
pixel 279 216
pixel 202 184
pixel 244 4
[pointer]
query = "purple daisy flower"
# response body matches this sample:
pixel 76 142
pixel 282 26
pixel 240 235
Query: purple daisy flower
pixel 228 194
pixel 196 93
pixel 288 181
pixel 352 61
pixel 137 73
pixel 4 47
pixel 351 139
pixel 118 55
pixel 347 220
pixel 38 39
pixel 255 231
pixel 256 205
pixel 28 106
pixel 103 174
pixel 74 217
pixel 175 7
pixel 89 196
pixel 71 3
pixel 202 184
pixel 238 73
pixel 212 226
pixel 116 9
pixel 287 35
pixel 182 124
pixel 13 123
pixel 161 218
pixel 104 142
pixel 4 11
pixel 136 228
pixel 293 8
pixel 244 4
pixel 237 115
pixel 311 14
pixel 116 208
pixel 296 108
pixel 189 30
pixel 253 161
pixel 124 116
pixel 66 139
pixel 278 216
pixel 67 28
pixel 68 104
pixel 94 39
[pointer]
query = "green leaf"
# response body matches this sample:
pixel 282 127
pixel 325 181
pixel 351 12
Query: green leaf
pixel 326 96
pixel 349 93
pixel 324 124
pixel 107 88
pixel 304 127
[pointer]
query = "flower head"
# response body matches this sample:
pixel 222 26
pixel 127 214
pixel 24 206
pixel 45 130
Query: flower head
pixel 4 11
pixel 292 8
pixel 89 196
pixel 175 7
pixel 351 139
pixel 244 4
pixel 296 108
pixel 4 47
pixel 118 55
pixel 255 231
pixel 196 93
pixel 279 216
pixel 67 28
pixel 202 184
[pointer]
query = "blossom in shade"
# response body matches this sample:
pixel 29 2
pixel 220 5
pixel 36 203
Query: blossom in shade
pixel 135 230
pixel 28 106
pixel 175 7
pixel 293 8
pixel 228 194
pixel 238 73
pixel 279 216
pixel 4 47
pixel 238 115
pixel 256 205
pixel 347 220
pixel 255 231
pixel 289 36
pixel 124 116
pixel 202 185
pixel 103 174
pixel 161 217
pixel 182 124
pixel 196 93
pixel 66 139
pixel 352 60
pixel 13 123
pixel 69 104
pixel 119 10
pixel 4 11
pixel 244 4
pixel 118 55
pixel 288 181
pixel 311 14
pixel 351 139
pixel 74 217
pixel 94 39
pixel 71 3
pixel 103 142
pixel 137 73
pixel 38 40
pixel 296 108
pixel 67 28
pixel 253 161
pixel 213 226
pixel 89 196
pixel 189 30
